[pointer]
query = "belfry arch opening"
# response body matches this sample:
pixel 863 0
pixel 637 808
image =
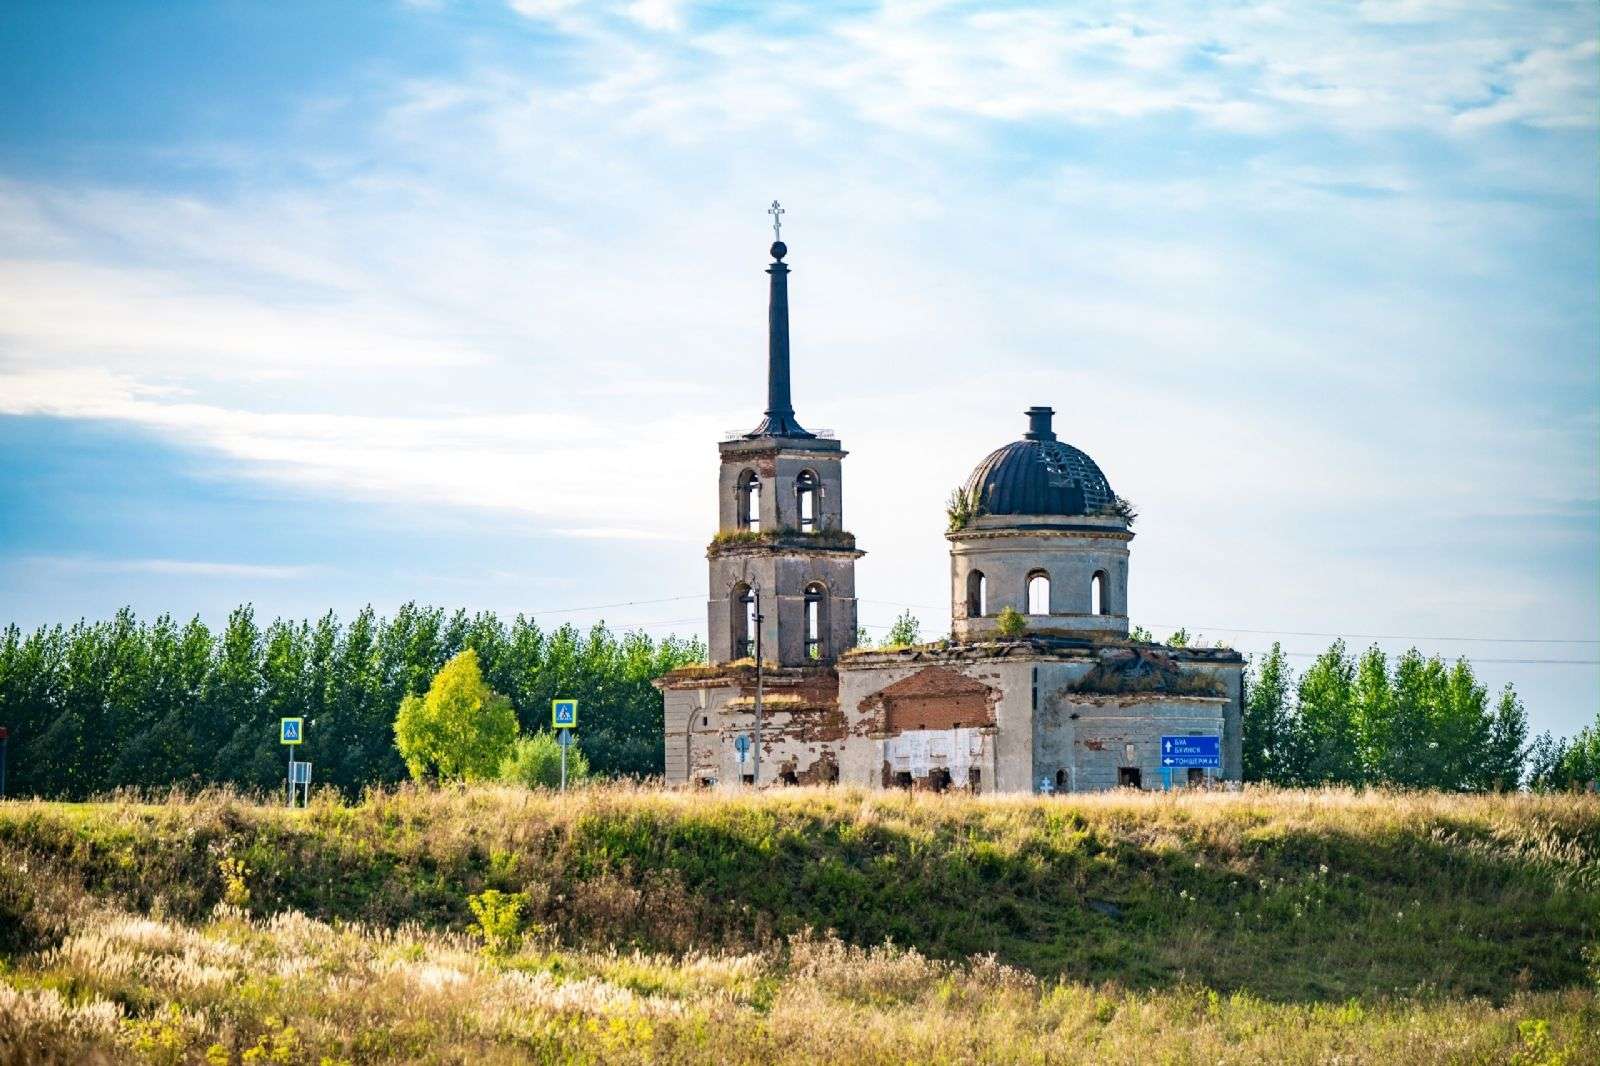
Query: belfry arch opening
pixel 816 601
pixel 806 490
pixel 742 620
pixel 1038 592
pixel 977 594
pixel 1099 601
pixel 748 501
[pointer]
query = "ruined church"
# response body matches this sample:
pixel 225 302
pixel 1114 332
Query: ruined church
pixel 1038 688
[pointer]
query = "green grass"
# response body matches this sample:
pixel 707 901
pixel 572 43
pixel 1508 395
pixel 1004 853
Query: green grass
pixel 1378 921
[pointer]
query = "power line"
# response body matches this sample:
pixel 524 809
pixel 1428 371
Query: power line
pixel 1542 662
pixel 608 606
pixel 1308 633
pixel 1159 625
pixel 1377 636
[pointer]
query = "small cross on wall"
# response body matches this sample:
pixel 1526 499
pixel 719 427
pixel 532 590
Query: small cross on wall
pixel 777 223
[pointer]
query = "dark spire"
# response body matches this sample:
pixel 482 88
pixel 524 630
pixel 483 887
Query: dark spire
pixel 1039 424
pixel 780 411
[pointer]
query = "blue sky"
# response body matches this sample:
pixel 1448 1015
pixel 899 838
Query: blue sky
pixel 317 305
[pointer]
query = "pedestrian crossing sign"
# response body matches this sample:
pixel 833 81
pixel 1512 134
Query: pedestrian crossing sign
pixel 289 730
pixel 564 714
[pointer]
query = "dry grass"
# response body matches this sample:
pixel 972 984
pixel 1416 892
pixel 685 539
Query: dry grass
pixel 1262 926
pixel 292 990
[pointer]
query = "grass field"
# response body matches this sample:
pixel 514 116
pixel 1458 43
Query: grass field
pixel 614 925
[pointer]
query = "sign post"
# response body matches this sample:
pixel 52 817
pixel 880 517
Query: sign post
pixel 1187 751
pixel 290 731
pixel 741 744
pixel 564 717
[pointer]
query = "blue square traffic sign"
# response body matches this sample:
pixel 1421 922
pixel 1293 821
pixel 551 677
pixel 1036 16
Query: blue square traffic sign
pixel 289 730
pixel 564 714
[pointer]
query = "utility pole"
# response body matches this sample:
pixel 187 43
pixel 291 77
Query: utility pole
pixel 755 777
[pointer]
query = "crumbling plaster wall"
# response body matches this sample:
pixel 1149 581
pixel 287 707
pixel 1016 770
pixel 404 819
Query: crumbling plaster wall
pixel 801 730
pixel 937 697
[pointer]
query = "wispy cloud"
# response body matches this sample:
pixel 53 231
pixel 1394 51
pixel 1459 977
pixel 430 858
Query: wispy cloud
pixel 187 568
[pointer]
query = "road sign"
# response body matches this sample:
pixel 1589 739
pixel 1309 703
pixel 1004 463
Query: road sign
pixel 741 744
pixel 564 738
pixel 564 714
pixel 1191 751
pixel 289 730
pixel 300 773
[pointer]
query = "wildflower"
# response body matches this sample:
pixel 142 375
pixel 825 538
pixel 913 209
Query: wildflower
pixel 1323 869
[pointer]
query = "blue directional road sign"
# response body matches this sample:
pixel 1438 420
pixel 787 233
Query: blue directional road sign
pixel 289 730
pixel 564 714
pixel 741 744
pixel 1191 751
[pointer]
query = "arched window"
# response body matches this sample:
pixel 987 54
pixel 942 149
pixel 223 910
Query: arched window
pixel 742 618
pixel 977 594
pixel 749 501
pixel 1099 602
pixel 806 487
pixel 816 601
pixel 1038 592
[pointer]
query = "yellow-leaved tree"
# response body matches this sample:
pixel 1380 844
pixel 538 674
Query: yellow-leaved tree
pixel 460 730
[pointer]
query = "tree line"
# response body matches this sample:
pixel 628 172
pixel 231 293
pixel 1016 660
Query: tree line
pixel 1412 722
pixel 125 702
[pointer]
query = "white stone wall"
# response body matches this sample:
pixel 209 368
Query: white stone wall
pixel 1007 554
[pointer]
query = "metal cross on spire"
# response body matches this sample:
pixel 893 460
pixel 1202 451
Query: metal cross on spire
pixel 777 222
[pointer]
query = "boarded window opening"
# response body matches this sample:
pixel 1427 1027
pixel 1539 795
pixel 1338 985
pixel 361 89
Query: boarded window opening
pixel 938 779
pixel 974 780
pixel 1197 776
pixel 902 779
pixel 749 779
pixel 788 777
pixel 1129 777
pixel 1038 592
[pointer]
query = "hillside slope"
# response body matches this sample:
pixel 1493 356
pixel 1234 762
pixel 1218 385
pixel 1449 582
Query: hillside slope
pixel 1290 897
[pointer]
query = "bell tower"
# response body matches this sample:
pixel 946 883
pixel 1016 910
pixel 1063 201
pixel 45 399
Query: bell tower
pixel 781 542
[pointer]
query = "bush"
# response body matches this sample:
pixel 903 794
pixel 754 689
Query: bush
pixel 535 762
pixel 499 921
pixel 1010 622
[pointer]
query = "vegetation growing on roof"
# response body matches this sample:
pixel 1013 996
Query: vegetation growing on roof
pixel 1119 507
pixel 1127 671
pixel 1010 622
pixel 964 505
pixel 818 538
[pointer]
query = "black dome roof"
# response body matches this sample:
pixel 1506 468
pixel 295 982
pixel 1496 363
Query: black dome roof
pixel 1039 475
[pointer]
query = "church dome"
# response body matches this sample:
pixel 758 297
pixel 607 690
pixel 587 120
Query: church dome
pixel 1039 475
